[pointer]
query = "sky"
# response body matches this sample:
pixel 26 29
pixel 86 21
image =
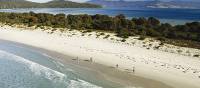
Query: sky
pixel 88 0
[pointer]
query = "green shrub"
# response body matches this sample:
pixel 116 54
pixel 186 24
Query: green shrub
pixel 196 55
pixel 107 36
pixel 86 31
pixel 123 40
pixel 161 38
pixel 102 34
pixel 141 38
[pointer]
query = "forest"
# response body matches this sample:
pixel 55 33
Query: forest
pixel 187 35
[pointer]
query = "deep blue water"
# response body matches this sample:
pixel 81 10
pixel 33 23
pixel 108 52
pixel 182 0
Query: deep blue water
pixel 174 16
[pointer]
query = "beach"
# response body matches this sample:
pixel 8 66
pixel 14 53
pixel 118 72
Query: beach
pixel 167 64
pixel 97 74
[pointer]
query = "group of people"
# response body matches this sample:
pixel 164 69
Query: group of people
pixel 117 66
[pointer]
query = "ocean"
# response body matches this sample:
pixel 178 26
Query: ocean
pixel 172 16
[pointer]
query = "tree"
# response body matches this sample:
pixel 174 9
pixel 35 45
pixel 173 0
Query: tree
pixel 141 21
pixel 32 19
pixel 198 37
pixel 131 25
pixel 153 21
pixel 60 20
pixel 86 21
pixel 120 16
pixel 74 21
pixel 172 35
pixel 153 33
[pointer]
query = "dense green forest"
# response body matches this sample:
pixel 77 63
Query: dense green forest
pixel 10 4
pixel 183 35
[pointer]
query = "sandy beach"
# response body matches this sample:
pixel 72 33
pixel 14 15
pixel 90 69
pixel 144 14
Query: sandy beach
pixel 101 75
pixel 174 66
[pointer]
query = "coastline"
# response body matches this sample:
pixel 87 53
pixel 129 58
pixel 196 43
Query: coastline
pixel 111 75
pixel 151 64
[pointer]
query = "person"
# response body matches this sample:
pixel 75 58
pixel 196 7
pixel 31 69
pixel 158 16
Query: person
pixel 77 60
pixel 117 65
pixel 91 60
pixel 133 69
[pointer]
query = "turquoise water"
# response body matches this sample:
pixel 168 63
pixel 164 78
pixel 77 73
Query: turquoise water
pixel 173 16
pixel 21 67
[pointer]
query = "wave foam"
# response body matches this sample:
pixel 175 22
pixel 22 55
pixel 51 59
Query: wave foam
pixel 35 67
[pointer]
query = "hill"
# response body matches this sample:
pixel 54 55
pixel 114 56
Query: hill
pixel 9 4
pixel 5 4
pixel 69 4
pixel 174 4
pixel 146 4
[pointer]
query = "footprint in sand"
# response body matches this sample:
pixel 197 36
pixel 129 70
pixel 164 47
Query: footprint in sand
pixel 196 71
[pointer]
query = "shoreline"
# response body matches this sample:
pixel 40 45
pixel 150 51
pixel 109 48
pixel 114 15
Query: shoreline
pixel 112 75
pixel 172 69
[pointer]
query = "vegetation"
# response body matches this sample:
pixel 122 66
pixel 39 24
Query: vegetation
pixel 187 35
pixel 9 4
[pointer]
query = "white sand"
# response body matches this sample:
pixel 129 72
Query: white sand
pixel 179 70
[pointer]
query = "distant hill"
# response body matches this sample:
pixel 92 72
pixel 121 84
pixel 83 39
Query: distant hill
pixel 69 4
pixel 174 4
pixel 5 4
pixel 146 4
pixel 9 4
pixel 119 4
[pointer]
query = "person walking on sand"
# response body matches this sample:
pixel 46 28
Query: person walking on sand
pixel 133 69
pixel 117 65
pixel 91 60
pixel 77 60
